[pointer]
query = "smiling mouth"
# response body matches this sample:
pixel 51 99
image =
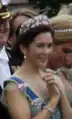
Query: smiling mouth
pixel 43 59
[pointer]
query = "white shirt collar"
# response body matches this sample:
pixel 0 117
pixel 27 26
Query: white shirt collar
pixel 3 54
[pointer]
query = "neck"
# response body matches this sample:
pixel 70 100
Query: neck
pixel 30 69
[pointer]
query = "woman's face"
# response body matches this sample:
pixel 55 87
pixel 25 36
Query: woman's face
pixel 4 31
pixel 39 50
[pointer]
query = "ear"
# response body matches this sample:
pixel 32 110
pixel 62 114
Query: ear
pixel 23 50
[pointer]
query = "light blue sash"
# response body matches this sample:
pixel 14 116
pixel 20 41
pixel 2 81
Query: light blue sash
pixel 32 95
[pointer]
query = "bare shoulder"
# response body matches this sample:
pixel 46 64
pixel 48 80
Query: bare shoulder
pixel 17 103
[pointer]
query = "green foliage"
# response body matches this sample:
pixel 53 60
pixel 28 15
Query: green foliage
pixel 54 5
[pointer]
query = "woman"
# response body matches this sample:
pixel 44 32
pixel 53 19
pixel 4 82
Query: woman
pixel 59 63
pixel 62 25
pixel 33 93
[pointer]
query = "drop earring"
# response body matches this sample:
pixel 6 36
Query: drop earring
pixel 24 56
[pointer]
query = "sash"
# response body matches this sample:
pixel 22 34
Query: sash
pixel 30 93
pixel 33 97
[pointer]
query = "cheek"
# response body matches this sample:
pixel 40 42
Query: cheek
pixel 50 50
pixel 31 53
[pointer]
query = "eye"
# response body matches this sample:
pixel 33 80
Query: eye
pixel 40 45
pixel 50 45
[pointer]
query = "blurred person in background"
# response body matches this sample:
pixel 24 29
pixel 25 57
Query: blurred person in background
pixel 59 63
pixel 62 59
pixel 18 17
pixel 5 69
pixel 5 15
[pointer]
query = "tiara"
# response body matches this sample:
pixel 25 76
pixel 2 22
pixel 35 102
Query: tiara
pixel 34 22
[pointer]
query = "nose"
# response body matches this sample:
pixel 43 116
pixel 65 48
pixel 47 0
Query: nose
pixel 47 50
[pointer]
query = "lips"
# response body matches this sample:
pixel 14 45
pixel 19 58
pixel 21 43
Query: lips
pixel 44 58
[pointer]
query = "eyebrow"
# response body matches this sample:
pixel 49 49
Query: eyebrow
pixel 43 42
